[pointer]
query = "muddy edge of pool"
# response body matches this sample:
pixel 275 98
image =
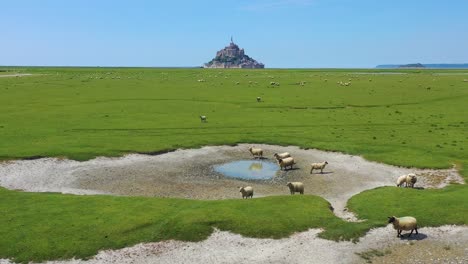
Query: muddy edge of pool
pixel 189 174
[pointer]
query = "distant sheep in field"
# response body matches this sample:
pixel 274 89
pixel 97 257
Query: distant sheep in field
pixel 201 80
pixel 409 179
pixel 465 80
pixel 203 118
pixel 296 187
pixel 246 192
pixel 281 155
pixel 259 99
pixel 404 223
pixel 318 166
pixel 256 152
pixel 286 162
pixel 237 83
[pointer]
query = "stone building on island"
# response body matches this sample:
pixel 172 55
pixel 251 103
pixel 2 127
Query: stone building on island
pixel 233 57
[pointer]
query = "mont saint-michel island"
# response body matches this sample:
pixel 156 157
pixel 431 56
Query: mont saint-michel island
pixel 233 57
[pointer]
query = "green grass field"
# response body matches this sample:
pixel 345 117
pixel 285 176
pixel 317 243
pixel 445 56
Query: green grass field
pixel 418 119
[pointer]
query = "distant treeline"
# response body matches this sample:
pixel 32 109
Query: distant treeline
pixel 430 66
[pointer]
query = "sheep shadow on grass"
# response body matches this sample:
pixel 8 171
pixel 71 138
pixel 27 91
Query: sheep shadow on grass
pixel 417 237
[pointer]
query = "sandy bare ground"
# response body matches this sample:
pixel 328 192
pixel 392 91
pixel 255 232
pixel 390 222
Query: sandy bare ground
pixel 16 75
pixel 189 174
pixel 446 244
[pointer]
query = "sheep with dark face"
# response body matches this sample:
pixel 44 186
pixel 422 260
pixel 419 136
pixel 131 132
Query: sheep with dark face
pixel 259 99
pixel 256 152
pixel 408 180
pixel 203 118
pixel 404 223
pixel 246 192
pixel 286 162
pixel 296 187
pixel 318 166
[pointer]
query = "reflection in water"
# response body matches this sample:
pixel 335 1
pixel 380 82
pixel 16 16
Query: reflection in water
pixel 256 166
pixel 248 169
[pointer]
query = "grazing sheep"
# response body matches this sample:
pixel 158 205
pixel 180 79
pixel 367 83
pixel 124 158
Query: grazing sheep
pixel 259 99
pixel 203 118
pixel 318 166
pixel 296 187
pixel 246 192
pixel 401 180
pixel 404 223
pixel 409 179
pixel 256 152
pixel 284 163
pixel 282 155
pixel 237 83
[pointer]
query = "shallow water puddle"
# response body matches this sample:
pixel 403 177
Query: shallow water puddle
pixel 248 169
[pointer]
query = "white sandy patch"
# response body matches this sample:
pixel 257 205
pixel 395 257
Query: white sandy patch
pixel 188 173
pixel 16 75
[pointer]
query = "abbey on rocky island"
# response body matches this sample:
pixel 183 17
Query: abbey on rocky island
pixel 233 57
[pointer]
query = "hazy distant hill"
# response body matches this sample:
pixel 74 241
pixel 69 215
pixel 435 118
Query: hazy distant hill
pixel 431 66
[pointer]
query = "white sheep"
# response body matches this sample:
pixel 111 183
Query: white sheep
pixel 411 180
pixel 284 163
pixel 296 187
pixel 404 223
pixel 256 152
pixel 408 179
pixel 246 192
pixel 259 99
pixel 203 118
pixel 318 166
pixel 282 155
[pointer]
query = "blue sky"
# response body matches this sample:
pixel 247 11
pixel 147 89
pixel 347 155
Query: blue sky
pixel 279 33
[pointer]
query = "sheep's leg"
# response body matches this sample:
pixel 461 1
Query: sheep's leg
pixel 410 233
pixel 321 171
pixel 398 233
pixel 416 230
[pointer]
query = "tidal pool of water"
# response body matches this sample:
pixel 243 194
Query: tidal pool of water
pixel 248 169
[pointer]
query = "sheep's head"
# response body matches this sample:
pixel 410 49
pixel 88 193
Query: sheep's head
pixel 289 184
pixel 250 149
pixel 391 219
pixel 275 155
pixel 241 189
pixel 326 162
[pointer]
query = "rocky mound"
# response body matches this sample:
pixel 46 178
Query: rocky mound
pixel 233 57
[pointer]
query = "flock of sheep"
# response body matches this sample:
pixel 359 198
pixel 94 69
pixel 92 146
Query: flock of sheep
pixel 285 160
